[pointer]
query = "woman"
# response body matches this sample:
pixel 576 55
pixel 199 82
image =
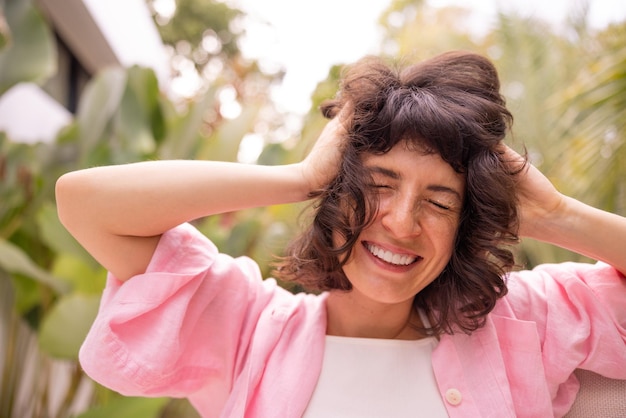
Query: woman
pixel 418 201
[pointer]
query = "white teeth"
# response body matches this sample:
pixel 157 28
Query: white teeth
pixel 389 257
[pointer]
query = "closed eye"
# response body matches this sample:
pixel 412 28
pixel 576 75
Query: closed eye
pixel 439 205
pixel 379 186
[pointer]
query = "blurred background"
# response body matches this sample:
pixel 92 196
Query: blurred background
pixel 88 82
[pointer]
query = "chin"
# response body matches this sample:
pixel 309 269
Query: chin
pixel 387 296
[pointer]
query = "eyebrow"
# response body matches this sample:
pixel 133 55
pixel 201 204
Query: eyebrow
pixel 432 187
pixel 445 189
pixel 385 172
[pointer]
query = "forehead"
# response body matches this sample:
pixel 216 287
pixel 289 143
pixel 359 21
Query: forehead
pixel 408 162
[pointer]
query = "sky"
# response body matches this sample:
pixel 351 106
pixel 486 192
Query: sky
pixel 307 37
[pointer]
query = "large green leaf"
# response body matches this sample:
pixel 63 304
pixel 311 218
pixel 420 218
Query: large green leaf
pixel 121 117
pixel 65 327
pixel 98 105
pixel 16 261
pixel 139 113
pixel 31 54
pixel 16 185
pixel 83 277
pixel 145 87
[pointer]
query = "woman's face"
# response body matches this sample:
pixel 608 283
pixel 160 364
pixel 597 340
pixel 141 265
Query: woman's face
pixel 412 237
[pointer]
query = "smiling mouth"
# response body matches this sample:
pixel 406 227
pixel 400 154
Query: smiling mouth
pixel 390 257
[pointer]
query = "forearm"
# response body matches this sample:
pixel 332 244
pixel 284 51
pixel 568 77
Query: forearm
pixel 146 199
pixel 586 230
pixel 118 213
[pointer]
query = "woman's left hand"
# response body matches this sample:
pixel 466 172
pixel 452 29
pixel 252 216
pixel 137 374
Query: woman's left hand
pixel 550 216
pixel 539 200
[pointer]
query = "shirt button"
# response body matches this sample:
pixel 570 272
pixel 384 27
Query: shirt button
pixel 453 396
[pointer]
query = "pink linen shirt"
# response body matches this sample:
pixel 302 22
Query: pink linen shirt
pixel 206 326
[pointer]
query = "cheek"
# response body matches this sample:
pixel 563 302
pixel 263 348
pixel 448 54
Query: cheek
pixel 444 232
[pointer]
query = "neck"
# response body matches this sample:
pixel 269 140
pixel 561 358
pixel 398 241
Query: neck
pixel 348 316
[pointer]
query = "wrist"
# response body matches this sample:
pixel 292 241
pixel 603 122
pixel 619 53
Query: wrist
pixel 300 182
pixel 549 223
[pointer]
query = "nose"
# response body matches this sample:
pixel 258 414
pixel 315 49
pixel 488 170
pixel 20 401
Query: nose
pixel 401 218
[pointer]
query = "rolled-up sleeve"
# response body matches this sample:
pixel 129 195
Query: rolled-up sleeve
pixel 580 311
pixel 181 326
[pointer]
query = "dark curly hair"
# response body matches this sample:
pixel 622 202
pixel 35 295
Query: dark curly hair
pixel 449 105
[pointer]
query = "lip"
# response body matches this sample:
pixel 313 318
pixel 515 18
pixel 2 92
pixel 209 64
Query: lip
pixel 388 266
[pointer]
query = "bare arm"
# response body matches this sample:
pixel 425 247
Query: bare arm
pixel 552 217
pixel 118 213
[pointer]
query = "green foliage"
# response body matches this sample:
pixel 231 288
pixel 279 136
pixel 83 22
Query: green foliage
pixel 119 117
pixel 27 50
pixel 16 187
pixel 194 17
pixel 66 324
pixel 594 119
pixel 15 261
pixel 50 286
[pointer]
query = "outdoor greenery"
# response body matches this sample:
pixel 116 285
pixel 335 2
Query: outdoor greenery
pixel 566 88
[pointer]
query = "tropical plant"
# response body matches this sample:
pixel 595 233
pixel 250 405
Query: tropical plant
pixel 567 95
pixel 593 122
pixel 50 287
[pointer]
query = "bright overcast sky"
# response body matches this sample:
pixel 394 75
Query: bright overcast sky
pixel 306 37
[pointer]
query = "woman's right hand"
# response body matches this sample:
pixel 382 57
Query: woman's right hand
pixel 119 212
pixel 322 164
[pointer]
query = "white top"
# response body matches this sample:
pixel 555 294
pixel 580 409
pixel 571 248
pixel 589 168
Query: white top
pixel 366 377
